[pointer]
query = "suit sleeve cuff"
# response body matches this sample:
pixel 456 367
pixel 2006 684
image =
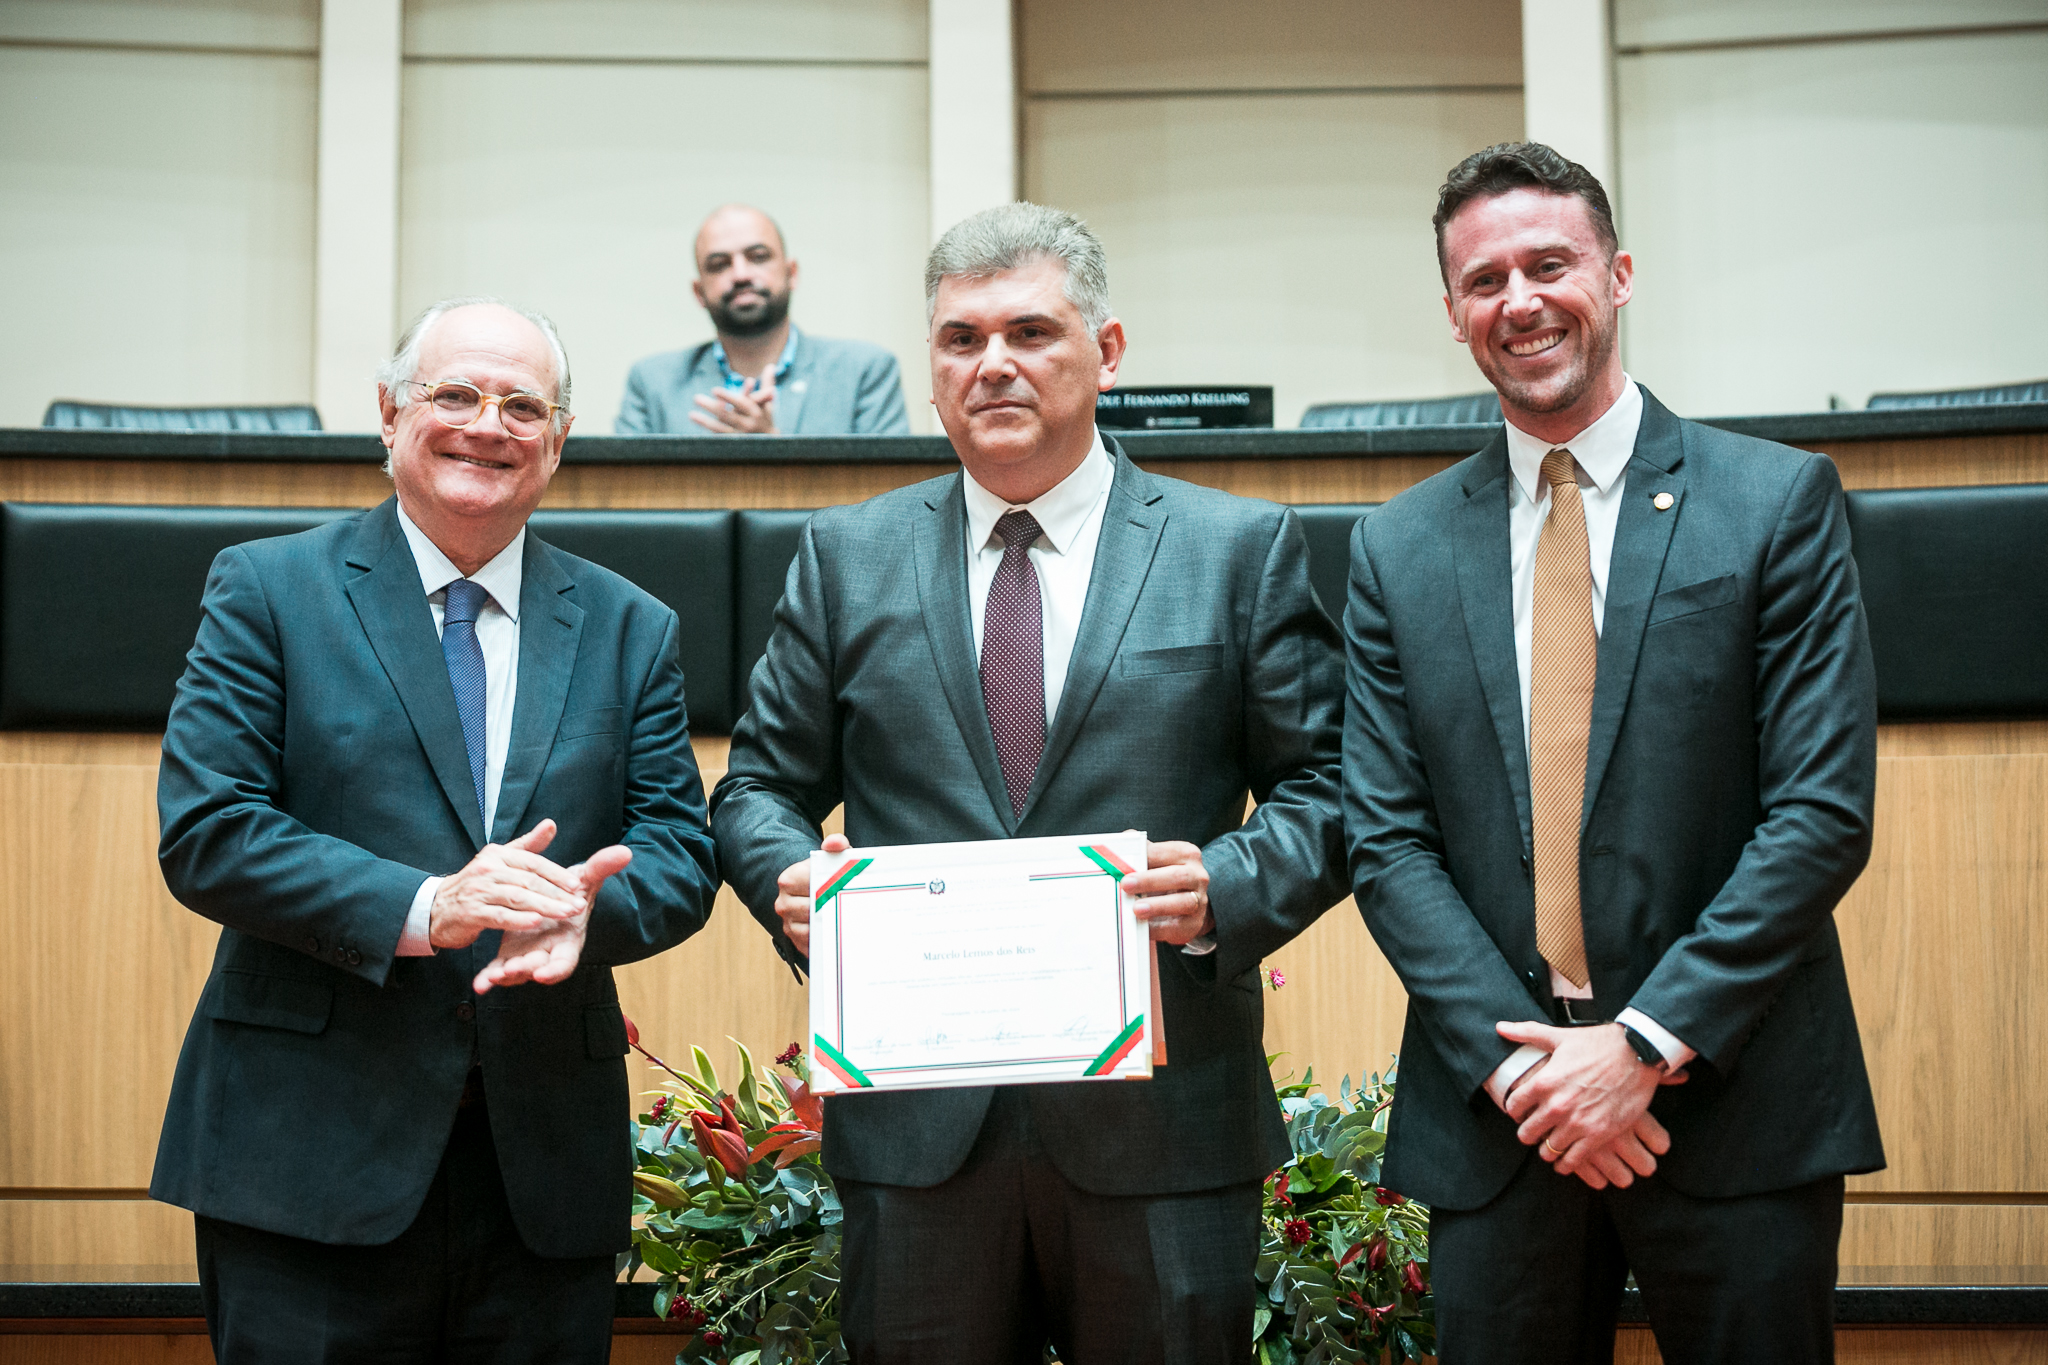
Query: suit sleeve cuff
pixel 414 941
pixel 1513 1069
pixel 1676 1054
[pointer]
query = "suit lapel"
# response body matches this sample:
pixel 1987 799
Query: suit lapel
pixel 550 627
pixel 1642 536
pixel 1131 526
pixel 940 542
pixel 394 614
pixel 1479 546
pixel 789 396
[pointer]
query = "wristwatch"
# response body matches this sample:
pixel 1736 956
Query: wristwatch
pixel 1646 1051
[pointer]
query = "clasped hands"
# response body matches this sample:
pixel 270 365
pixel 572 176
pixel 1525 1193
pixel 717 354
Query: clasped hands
pixel 1171 895
pixel 747 410
pixel 1586 1106
pixel 543 908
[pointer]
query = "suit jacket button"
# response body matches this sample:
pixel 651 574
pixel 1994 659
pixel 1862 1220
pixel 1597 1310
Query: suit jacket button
pixel 355 958
pixel 1531 976
pixel 313 944
pixel 340 953
pixel 465 1011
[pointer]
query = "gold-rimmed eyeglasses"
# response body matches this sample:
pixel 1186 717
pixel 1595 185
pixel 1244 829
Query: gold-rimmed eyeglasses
pixel 458 405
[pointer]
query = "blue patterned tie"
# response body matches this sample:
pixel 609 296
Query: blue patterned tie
pixel 466 671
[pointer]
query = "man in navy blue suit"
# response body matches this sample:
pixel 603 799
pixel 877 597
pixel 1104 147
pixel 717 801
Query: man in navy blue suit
pixel 434 779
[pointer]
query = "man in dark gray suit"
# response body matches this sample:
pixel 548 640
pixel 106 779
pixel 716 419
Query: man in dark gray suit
pixel 760 376
pixel 1053 642
pixel 401 1112
pixel 1609 760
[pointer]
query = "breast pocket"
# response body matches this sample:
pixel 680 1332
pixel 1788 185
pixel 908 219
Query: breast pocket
pixel 1694 598
pixel 1143 663
pixel 600 720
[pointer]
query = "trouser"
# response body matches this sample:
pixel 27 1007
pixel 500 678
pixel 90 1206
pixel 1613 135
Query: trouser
pixel 1536 1276
pixel 1007 1256
pixel 457 1286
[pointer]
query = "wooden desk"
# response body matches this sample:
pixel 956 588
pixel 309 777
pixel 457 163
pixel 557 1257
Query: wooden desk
pixel 1946 934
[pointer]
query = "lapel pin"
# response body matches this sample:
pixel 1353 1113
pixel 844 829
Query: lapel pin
pixel 1662 502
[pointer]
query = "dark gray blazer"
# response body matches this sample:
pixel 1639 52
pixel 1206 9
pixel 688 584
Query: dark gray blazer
pixel 1730 780
pixel 833 388
pixel 1204 671
pixel 313 774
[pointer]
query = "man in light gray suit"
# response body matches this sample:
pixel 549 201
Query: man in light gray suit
pixel 1053 642
pixel 760 375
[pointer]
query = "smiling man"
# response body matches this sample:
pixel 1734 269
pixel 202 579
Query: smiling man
pixel 434 780
pixel 1609 759
pixel 1052 641
pixel 760 375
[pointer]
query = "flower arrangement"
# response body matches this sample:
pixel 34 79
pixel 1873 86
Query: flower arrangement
pixel 1343 1269
pixel 735 1213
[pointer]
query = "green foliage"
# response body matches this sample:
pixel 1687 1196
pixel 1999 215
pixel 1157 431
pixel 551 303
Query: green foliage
pixel 1343 1270
pixel 750 1259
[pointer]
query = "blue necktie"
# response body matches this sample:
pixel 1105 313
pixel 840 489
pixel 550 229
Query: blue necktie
pixel 466 671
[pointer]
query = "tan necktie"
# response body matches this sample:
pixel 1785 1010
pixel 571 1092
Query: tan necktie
pixel 1563 655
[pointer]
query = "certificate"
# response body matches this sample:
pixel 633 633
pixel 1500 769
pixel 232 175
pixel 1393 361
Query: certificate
pixel 991 963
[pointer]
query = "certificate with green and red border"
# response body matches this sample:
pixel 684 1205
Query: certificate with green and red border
pixel 995 963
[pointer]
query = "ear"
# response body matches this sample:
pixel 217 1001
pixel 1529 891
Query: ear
pixel 697 288
pixel 1624 277
pixel 793 270
pixel 1457 331
pixel 1111 340
pixel 387 405
pixel 561 439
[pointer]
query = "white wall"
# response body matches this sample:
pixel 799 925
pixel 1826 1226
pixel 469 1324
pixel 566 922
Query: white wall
pixel 1263 178
pixel 156 203
pixel 570 168
pixel 1824 219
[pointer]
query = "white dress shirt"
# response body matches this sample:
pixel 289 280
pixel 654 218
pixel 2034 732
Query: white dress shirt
pixel 497 635
pixel 1601 453
pixel 1069 517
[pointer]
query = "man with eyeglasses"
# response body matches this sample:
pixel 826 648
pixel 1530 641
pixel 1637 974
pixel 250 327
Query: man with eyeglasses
pixel 760 376
pixel 434 780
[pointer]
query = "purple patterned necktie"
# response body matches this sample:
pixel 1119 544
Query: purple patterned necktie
pixel 1013 659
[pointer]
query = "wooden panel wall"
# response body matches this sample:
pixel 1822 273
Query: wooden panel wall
pixel 1944 933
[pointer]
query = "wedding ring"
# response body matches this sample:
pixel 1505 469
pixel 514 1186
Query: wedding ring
pixel 1550 1149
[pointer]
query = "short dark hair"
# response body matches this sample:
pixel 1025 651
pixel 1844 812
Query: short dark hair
pixel 1509 166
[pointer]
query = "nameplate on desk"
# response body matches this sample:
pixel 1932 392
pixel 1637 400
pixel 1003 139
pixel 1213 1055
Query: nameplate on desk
pixel 1185 409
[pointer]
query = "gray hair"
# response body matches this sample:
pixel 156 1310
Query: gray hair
pixel 1011 235
pixel 405 361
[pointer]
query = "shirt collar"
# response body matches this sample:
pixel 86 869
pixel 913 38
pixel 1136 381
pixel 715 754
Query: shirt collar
pixel 1060 512
pixel 1603 449
pixel 501 577
pixel 733 380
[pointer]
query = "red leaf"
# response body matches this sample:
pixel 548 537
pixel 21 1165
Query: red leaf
pixel 632 1029
pixel 1351 1255
pixel 796 1151
pixel 806 1106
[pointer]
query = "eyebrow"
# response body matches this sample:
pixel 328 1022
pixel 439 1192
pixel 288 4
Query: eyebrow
pixel 1022 319
pixel 1558 247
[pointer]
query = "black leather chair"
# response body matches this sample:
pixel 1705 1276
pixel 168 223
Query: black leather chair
pixel 289 417
pixel 1956 584
pixel 686 560
pixel 2036 392
pixel 99 605
pixel 1465 409
pixel 766 540
pixel 1328 528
